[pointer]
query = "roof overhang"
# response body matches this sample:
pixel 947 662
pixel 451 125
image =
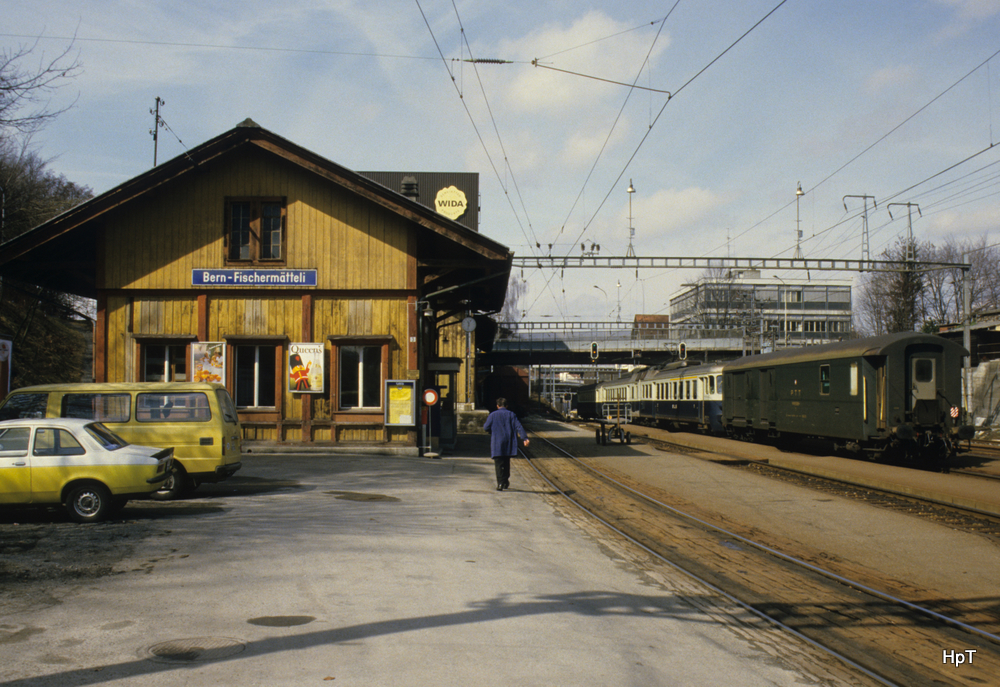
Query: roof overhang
pixel 62 253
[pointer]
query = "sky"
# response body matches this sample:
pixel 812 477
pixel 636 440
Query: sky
pixel 715 112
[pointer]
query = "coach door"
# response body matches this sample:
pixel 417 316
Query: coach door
pixel 923 389
pixel 766 401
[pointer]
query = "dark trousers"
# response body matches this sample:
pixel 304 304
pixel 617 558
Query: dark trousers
pixel 503 469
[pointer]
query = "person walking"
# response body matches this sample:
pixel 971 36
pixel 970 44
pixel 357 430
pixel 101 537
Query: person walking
pixel 504 429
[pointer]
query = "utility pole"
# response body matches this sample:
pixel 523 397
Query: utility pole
pixel 909 284
pixel 798 229
pixel 155 131
pixel 865 255
pixel 911 254
pixel 630 253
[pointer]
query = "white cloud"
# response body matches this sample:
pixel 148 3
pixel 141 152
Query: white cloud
pixel 967 14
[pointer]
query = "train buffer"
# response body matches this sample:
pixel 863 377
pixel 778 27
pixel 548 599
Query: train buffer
pixel 613 416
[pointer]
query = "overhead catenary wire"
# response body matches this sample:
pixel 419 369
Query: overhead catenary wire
pixel 479 135
pixel 673 95
pixel 607 139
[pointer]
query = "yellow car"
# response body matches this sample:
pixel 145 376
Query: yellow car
pixel 77 463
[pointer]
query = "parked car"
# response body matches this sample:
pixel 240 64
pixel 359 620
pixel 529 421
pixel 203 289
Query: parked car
pixel 197 418
pixel 80 464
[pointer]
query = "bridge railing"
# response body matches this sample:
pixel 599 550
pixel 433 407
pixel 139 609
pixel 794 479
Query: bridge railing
pixel 622 333
pixel 611 336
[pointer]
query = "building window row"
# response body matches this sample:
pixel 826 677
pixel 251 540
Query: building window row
pixel 257 374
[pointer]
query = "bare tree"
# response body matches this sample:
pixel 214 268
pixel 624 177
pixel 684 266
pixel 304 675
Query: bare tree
pixel 892 301
pixel 25 90
pixel 940 285
pixel 32 193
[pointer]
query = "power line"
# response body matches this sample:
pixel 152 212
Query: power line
pixel 660 113
pixel 216 46
pixel 471 119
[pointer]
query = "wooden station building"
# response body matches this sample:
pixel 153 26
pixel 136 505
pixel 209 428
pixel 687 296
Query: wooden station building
pixel 322 299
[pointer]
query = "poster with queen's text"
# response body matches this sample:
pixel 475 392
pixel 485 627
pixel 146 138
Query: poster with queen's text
pixel 305 368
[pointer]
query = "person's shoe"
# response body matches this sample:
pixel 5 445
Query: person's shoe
pixel 506 485
pixel 499 487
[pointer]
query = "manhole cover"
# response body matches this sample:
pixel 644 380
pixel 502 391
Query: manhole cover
pixel 355 496
pixel 282 620
pixel 195 650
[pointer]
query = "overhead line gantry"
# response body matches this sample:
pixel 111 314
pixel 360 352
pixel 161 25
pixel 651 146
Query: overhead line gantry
pixel 672 262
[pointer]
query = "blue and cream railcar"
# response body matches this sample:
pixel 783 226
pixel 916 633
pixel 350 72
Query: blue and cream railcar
pixel 681 395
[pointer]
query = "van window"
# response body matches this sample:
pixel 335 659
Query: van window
pixel 24 405
pixel 824 379
pixel 100 407
pixel 172 407
pixel 226 404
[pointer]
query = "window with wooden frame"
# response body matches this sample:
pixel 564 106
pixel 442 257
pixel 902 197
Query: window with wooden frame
pixel 256 230
pixel 254 376
pixel 360 369
pixel 164 362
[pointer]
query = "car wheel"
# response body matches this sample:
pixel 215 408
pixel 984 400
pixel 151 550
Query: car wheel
pixel 173 486
pixel 89 502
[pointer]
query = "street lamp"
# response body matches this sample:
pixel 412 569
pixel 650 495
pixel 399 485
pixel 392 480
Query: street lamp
pixel 605 294
pixel 619 318
pixel 630 253
pixel 784 324
pixel 798 229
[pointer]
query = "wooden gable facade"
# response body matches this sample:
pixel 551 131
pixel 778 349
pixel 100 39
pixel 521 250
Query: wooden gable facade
pixel 249 247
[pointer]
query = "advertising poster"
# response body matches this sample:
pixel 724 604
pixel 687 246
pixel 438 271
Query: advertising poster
pixel 208 361
pixel 305 368
pixel 401 402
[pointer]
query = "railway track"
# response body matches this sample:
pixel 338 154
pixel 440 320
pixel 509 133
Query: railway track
pixel 979 521
pixel 890 640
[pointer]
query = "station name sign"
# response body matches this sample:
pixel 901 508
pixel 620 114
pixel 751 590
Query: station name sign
pixel 241 277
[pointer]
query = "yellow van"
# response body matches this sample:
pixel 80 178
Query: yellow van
pixel 197 419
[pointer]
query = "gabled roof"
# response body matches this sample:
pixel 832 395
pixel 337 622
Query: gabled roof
pixel 61 253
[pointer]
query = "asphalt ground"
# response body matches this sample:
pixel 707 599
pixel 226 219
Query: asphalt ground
pixel 372 570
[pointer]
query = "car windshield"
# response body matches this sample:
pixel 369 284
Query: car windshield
pixel 105 436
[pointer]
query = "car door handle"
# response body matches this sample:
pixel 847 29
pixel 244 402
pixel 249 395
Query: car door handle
pixel 19 465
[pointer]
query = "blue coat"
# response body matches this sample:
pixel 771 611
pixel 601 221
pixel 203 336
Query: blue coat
pixel 504 429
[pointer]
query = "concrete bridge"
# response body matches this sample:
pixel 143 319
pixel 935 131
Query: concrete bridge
pixel 572 343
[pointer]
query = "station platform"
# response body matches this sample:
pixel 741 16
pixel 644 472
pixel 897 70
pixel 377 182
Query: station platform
pixel 954 488
pixel 370 570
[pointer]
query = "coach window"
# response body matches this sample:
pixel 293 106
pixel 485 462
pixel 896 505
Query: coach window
pixel 854 379
pixel 824 379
